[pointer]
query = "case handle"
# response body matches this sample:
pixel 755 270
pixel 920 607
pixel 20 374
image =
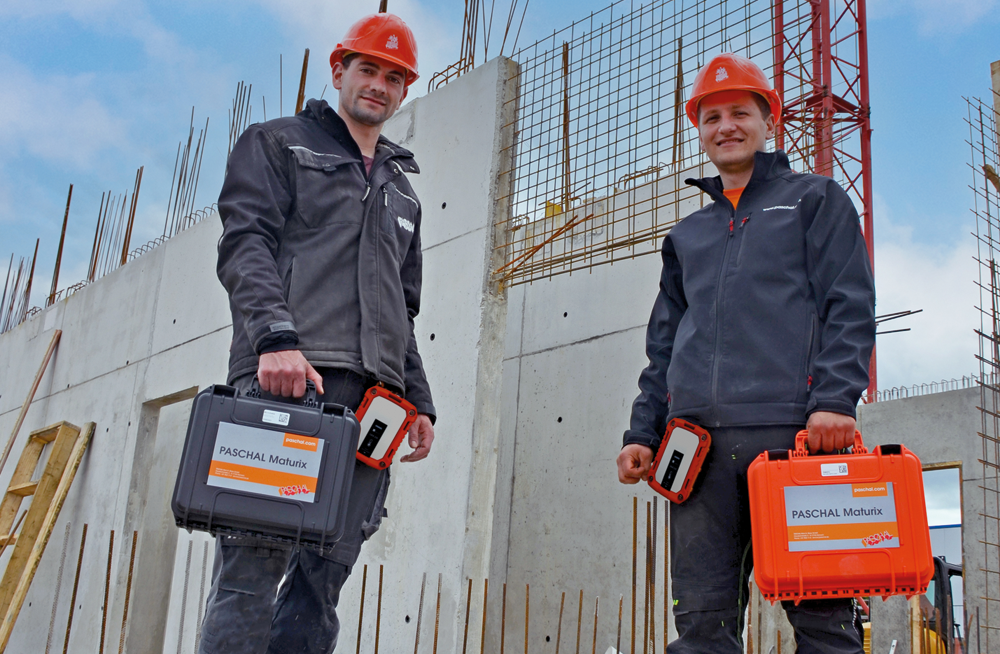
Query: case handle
pixel 802 444
pixel 309 400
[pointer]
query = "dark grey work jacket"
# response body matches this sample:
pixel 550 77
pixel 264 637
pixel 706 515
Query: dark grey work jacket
pixel 316 249
pixel 765 313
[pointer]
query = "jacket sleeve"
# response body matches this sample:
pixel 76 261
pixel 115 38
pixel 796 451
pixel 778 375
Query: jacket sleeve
pixel 253 204
pixel 650 409
pixel 418 391
pixel 841 279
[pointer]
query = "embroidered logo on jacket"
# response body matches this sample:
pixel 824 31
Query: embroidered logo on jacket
pixel 780 206
pixel 392 43
pixel 405 224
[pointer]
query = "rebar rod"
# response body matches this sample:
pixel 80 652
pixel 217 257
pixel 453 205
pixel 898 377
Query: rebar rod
pixel 378 611
pixel 55 595
pixel 184 597
pixel 579 621
pixel 420 613
pixel 562 601
pixel 652 581
pixel 482 637
pixel 635 547
pixel 128 592
pixel 645 597
pixel 597 605
pixel 361 609
pixel 437 616
pixel 59 252
pixel 302 81
pixel 468 608
pixel 76 587
pixel 503 618
pixel 107 591
pixel 527 613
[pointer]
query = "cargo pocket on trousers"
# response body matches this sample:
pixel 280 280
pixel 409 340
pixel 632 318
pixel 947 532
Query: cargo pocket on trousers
pixel 374 519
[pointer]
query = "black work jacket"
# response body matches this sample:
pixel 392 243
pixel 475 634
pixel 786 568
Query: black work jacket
pixel 765 312
pixel 314 248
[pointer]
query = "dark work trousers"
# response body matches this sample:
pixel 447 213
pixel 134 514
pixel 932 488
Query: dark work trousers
pixel 711 558
pixel 271 598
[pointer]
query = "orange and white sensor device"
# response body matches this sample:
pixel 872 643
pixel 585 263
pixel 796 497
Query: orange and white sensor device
pixel 679 460
pixel 385 418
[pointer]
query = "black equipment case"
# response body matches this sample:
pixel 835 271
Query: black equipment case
pixel 256 467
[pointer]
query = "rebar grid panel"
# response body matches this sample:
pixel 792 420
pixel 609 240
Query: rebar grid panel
pixel 984 123
pixel 603 144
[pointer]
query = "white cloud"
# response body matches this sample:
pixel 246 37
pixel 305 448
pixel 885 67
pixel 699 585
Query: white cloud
pixel 934 17
pixel 56 118
pixel 938 278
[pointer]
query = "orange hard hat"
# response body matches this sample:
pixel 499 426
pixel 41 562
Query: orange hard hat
pixel 731 72
pixel 385 36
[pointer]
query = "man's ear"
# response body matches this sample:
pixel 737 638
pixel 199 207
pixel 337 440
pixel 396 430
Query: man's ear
pixel 771 126
pixel 338 75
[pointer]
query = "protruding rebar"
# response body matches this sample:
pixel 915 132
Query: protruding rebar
pixel 378 610
pixel 597 605
pixel 579 621
pixel 302 83
pixel 527 613
pixel 128 592
pixel 437 616
pixel 618 642
pixel 482 638
pixel 645 598
pixel 468 608
pixel 59 252
pixel 361 609
pixel 503 617
pixel 652 581
pixel 635 547
pixel 76 586
pixel 184 598
pixel 562 601
pixel 420 613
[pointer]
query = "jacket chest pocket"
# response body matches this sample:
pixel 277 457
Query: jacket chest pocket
pixel 399 217
pixel 326 190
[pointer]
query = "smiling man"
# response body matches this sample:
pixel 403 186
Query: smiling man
pixel 320 255
pixel 764 325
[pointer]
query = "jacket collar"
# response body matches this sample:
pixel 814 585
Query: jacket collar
pixel 330 120
pixel 766 166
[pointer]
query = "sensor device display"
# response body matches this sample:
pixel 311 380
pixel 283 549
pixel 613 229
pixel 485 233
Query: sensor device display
pixel 385 419
pixel 679 460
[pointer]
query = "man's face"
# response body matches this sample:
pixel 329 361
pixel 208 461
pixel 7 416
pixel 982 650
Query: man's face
pixel 370 89
pixel 731 128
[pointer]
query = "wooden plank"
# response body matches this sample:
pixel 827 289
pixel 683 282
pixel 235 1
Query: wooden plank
pixel 24 490
pixel 45 434
pixel 31 396
pixel 48 523
pixel 62 447
pixel 7 540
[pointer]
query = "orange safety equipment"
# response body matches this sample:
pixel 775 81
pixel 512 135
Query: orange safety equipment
pixel 731 72
pixel 385 36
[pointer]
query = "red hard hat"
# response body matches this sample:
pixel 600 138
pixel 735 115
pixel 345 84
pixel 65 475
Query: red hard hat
pixel 731 72
pixel 385 36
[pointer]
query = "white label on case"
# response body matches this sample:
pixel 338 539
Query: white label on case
pixel 276 417
pixel 833 469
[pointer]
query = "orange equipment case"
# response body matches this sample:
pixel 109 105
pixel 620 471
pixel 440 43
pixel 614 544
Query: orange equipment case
pixel 839 525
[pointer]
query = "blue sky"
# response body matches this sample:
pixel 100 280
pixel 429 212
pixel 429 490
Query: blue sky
pixel 92 89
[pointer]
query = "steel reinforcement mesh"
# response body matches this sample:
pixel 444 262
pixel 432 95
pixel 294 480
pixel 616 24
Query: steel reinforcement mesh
pixel 985 162
pixel 602 144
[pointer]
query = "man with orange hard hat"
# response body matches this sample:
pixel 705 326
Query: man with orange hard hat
pixel 321 257
pixel 764 325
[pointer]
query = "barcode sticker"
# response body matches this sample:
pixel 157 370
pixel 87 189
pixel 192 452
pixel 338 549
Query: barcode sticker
pixel 276 417
pixel 833 469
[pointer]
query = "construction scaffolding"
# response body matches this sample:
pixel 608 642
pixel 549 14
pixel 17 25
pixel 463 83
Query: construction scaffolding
pixel 603 144
pixel 984 123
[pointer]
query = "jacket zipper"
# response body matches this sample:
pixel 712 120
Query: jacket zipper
pixel 718 320
pixel 743 238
